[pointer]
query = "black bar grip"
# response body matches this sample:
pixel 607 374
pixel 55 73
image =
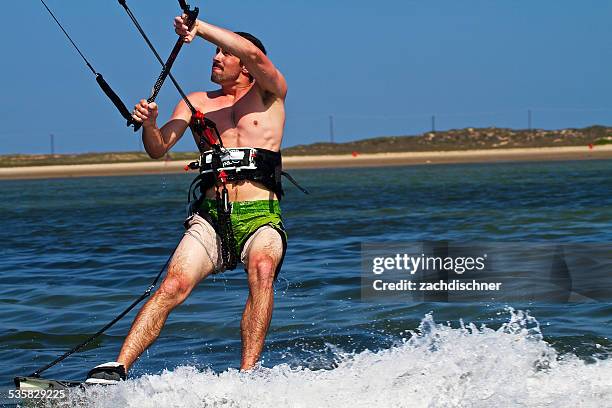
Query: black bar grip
pixel 183 4
pixel 191 18
pixel 113 97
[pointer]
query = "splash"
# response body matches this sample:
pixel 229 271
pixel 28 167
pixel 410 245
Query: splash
pixel 437 366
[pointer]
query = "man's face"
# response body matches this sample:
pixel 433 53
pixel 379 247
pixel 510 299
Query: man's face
pixel 225 68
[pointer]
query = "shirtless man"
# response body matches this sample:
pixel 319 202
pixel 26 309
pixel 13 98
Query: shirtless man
pixel 249 112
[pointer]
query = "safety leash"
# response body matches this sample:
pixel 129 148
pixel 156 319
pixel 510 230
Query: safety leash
pixel 110 324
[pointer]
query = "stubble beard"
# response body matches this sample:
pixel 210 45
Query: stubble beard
pixel 216 77
pixel 221 77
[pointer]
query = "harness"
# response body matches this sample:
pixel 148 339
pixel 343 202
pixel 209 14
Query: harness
pixel 244 163
pixel 219 165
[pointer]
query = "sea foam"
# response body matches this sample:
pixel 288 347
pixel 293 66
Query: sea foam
pixel 436 366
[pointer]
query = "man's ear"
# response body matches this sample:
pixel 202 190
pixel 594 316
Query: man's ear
pixel 246 72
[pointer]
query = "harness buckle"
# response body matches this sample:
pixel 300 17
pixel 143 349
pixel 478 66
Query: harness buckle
pixel 223 176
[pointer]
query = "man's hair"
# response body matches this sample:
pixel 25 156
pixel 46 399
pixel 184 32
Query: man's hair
pixel 252 39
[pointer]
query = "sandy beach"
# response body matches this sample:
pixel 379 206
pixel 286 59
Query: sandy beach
pixel 328 161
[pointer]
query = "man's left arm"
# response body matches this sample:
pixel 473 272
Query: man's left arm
pixel 256 62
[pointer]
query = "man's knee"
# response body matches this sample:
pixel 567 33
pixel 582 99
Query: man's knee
pixel 262 269
pixel 174 289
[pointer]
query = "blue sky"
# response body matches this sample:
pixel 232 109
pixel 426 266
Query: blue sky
pixel 379 68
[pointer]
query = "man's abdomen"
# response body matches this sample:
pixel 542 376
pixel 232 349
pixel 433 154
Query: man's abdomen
pixel 244 190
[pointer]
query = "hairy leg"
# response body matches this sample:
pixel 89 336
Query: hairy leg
pixel 189 265
pixel 264 253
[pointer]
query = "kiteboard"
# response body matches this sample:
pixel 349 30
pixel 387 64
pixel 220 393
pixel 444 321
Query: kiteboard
pixel 37 383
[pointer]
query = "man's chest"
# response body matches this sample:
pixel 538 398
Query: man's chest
pixel 246 121
pixel 242 113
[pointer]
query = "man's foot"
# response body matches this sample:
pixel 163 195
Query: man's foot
pixel 106 374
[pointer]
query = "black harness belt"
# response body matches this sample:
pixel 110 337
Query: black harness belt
pixel 241 163
pixel 245 163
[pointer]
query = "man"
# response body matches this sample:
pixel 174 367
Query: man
pixel 249 112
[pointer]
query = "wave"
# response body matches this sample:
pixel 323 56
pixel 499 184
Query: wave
pixel 436 365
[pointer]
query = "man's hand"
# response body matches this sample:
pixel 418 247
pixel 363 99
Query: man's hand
pixel 181 28
pixel 145 113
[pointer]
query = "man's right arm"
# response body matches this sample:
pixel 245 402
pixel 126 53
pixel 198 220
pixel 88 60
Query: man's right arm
pixel 158 141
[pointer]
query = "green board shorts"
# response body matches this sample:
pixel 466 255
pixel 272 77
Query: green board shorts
pixel 247 217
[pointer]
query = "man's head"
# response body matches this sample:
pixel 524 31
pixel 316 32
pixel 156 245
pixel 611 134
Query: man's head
pixel 252 39
pixel 227 67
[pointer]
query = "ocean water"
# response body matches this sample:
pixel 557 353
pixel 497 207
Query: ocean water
pixel 76 252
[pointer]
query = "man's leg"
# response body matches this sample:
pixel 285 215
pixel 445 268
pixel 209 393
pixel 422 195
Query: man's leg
pixel 263 252
pixel 194 259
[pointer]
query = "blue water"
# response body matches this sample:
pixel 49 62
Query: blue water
pixel 75 252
